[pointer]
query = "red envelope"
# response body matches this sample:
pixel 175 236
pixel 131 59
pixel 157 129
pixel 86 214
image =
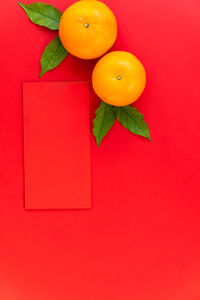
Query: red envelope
pixel 56 145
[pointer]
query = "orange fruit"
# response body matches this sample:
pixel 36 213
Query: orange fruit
pixel 119 78
pixel 88 29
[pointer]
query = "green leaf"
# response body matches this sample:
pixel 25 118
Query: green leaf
pixel 132 120
pixel 105 118
pixel 43 14
pixel 52 56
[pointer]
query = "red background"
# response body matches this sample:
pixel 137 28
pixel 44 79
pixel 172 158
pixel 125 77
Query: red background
pixel 141 239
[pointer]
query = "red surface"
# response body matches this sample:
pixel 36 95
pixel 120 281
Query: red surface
pixel 56 151
pixel 141 239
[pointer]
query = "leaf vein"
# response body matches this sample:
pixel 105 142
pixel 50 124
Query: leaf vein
pixel 130 116
pixel 53 54
pixel 28 8
pixel 102 122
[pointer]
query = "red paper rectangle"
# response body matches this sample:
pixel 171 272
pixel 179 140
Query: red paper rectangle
pixel 56 145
